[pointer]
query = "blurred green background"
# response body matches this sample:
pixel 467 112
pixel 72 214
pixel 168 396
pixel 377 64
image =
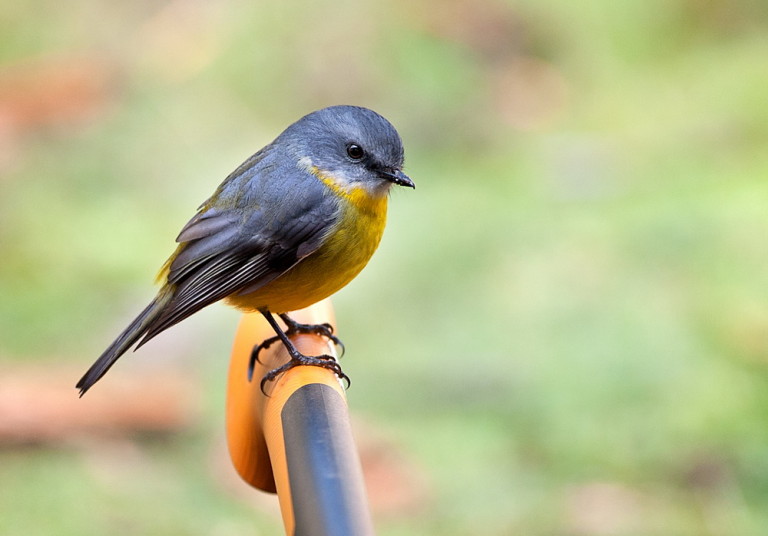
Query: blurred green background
pixel 565 330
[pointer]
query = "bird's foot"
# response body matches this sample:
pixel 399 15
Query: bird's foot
pixel 299 359
pixel 294 328
pixel 324 330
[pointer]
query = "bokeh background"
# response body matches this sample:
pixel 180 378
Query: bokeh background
pixel 565 330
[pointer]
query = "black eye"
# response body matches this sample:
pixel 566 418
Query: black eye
pixel 355 152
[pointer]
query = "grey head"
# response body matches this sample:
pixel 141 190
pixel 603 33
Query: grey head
pixel 355 146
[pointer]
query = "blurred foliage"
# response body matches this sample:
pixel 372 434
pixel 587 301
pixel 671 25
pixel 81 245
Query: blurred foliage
pixel 567 322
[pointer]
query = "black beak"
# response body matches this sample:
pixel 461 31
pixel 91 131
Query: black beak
pixel 397 177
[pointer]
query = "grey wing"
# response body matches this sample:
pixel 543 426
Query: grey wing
pixel 227 251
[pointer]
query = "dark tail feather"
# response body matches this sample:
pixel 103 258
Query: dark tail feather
pixel 124 341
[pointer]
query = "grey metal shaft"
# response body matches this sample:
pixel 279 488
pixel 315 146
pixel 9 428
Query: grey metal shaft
pixel 326 480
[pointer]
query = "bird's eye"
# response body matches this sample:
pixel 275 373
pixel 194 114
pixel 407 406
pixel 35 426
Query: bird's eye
pixel 355 152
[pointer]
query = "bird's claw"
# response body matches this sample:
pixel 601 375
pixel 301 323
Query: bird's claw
pixel 323 361
pixel 324 330
pixel 266 343
pixel 293 328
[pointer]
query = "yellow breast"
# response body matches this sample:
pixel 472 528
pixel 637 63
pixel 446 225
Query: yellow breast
pixel 345 252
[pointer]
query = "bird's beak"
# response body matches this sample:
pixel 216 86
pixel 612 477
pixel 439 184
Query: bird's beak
pixel 397 177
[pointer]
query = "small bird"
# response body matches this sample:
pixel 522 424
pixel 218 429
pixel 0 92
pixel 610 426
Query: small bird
pixel 293 224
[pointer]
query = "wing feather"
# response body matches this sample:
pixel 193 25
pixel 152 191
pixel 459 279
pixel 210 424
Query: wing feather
pixel 209 287
pixel 228 251
pixel 204 224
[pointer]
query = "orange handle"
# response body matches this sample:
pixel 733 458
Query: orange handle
pixel 254 427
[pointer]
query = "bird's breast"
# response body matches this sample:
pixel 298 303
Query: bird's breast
pixel 345 252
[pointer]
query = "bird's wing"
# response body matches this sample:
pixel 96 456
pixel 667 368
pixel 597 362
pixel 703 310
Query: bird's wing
pixel 223 251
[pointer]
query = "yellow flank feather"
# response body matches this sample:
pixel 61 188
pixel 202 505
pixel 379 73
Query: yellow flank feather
pixel 165 269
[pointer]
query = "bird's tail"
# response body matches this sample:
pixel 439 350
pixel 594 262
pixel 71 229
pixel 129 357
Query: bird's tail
pixel 124 341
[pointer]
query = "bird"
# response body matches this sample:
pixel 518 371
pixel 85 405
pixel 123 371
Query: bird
pixel 293 224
